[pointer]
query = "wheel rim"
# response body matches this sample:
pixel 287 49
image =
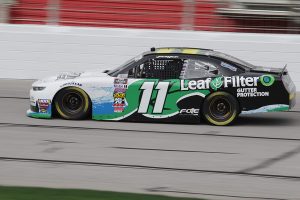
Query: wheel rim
pixel 72 102
pixel 220 108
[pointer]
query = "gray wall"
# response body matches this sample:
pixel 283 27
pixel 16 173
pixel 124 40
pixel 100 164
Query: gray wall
pixel 32 51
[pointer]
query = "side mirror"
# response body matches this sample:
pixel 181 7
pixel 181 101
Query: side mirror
pixel 105 71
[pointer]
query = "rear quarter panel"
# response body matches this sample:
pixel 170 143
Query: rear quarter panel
pixel 260 96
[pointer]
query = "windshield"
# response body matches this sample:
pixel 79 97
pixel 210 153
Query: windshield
pixel 125 65
pixel 232 59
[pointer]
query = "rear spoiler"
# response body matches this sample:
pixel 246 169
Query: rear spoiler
pixel 283 70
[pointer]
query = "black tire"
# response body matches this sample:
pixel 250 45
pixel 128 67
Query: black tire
pixel 72 103
pixel 220 109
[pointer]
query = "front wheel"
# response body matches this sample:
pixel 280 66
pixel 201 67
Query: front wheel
pixel 72 103
pixel 220 109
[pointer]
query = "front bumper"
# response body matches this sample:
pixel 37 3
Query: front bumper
pixel 40 115
pixel 40 107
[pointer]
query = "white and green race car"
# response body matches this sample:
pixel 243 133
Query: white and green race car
pixel 166 84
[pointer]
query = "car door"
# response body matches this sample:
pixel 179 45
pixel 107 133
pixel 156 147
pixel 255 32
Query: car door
pixel 161 89
pixel 149 84
pixel 139 91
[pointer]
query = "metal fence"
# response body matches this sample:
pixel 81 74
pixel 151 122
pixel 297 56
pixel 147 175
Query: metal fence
pixel 263 16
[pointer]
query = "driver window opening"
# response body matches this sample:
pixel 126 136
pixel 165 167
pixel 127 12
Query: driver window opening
pixel 195 68
pixel 158 69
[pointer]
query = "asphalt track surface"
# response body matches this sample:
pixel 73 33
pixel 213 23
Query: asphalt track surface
pixel 257 158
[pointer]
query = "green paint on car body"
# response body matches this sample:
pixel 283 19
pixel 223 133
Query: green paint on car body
pixel 279 108
pixel 39 115
pixel 133 96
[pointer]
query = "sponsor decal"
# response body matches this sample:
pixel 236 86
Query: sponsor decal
pixel 228 66
pixel 267 80
pixel 167 57
pixel 240 81
pixel 119 95
pixel 195 85
pixel 118 109
pixel 120 87
pixel 44 105
pixel 120 81
pixel 189 111
pixel 71 84
pixel 216 83
pixel 226 81
pixel 250 92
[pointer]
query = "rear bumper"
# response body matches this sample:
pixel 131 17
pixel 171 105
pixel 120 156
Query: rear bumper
pixel 291 90
pixel 292 99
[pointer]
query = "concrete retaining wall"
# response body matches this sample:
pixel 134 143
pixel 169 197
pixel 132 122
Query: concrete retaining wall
pixel 33 51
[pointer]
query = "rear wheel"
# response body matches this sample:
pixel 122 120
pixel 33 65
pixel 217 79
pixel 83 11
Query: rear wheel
pixel 72 103
pixel 220 108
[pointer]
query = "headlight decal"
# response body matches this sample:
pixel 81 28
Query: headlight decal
pixel 36 88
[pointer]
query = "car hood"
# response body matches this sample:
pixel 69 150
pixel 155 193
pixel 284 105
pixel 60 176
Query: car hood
pixel 72 76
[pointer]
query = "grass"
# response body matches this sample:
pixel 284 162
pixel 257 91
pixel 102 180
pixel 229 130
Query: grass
pixel 35 193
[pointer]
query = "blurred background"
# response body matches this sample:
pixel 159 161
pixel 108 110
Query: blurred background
pixel 254 16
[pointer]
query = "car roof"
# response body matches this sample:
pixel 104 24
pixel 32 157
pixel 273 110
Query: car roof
pixel 179 50
pixel 195 51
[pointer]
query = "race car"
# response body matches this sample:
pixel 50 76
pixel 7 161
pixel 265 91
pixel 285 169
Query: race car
pixel 166 85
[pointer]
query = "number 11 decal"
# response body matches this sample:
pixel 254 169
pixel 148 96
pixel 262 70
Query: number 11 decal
pixel 147 88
